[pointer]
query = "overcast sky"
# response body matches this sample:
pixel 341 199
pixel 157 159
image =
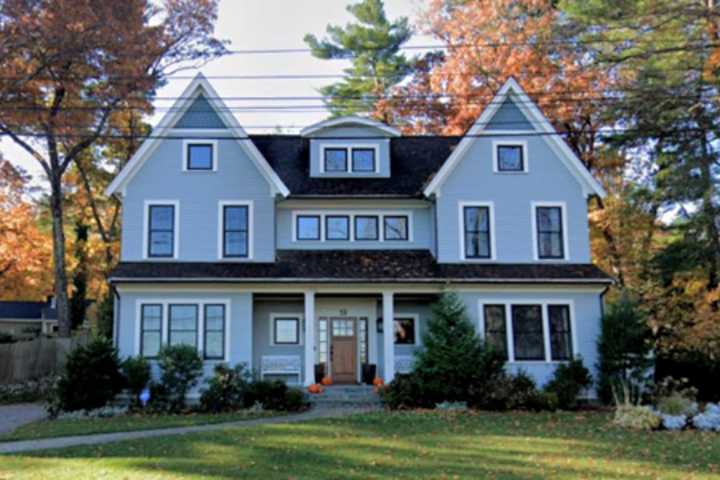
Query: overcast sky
pixel 263 24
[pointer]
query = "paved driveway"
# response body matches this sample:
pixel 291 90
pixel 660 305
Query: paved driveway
pixel 13 416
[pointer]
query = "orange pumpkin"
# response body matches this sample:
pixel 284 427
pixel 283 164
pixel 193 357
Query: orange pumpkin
pixel 326 380
pixel 315 388
pixel 378 382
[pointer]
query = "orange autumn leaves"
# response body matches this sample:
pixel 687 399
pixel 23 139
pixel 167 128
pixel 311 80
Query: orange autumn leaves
pixel 25 250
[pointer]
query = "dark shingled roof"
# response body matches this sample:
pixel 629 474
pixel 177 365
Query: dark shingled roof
pixel 413 161
pixel 359 266
pixel 27 310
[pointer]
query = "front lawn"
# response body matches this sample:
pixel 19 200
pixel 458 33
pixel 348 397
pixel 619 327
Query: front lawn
pixel 123 423
pixel 394 445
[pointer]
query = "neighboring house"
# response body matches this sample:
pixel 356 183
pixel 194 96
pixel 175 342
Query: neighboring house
pixel 328 247
pixel 28 319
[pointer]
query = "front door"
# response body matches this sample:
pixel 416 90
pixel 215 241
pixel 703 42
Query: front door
pixel 343 349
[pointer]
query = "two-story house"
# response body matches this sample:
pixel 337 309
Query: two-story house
pixel 327 248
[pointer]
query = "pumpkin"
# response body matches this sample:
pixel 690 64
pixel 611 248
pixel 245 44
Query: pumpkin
pixel 378 382
pixel 327 380
pixel 315 388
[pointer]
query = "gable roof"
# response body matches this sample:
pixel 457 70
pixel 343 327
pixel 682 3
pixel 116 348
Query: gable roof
pixel 413 162
pixel 349 120
pixel 512 90
pixel 199 86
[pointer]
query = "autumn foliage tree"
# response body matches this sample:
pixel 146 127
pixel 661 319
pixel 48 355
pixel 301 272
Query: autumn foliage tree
pixel 69 66
pixel 25 248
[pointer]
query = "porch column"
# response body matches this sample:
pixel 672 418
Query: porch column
pixel 388 336
pixel 309 338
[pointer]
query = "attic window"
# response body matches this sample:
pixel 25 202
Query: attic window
pixel 199 155
pixel 510 157
pixel 361 159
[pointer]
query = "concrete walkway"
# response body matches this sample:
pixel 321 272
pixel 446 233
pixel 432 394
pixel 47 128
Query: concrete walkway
pixel 62 442
pixel 14 416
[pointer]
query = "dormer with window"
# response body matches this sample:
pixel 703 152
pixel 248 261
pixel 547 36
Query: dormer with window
pixel 350 147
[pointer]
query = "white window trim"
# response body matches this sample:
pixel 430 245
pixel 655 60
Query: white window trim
pixel 146 229
pixel 416 320
pixel 533 219
pixel 251 229
pixel 166 302
pixel 461 229
pixel 352 214
pixel 544 305
pixel 348 147
pixel 511 143
pixel 196 141
pixel 301 320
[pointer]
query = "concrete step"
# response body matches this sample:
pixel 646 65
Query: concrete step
pixel 346 394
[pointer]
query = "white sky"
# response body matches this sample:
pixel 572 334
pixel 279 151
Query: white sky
pixel 264 24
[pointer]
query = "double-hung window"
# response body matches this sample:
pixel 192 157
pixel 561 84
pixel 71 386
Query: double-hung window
pixel 528 337
pixel 496 328
pixel 161 231
pixel 348 159
pixel 150 329
pixel 550 236
pixel 235 240
pixel 560 334
pixel 183 324
pixel 214 332
pixel 477 242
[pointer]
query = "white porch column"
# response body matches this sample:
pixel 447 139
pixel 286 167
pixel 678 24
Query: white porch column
pixel 388 305
pixel 309 338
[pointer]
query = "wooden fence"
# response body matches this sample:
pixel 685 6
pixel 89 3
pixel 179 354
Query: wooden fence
pixel 35 358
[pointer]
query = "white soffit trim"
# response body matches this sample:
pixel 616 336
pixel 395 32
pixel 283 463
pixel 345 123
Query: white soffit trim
pixel 197 86
pixel 349 120
pixel 511 89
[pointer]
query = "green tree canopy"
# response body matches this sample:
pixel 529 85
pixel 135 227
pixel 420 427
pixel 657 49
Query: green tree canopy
pixel 373 45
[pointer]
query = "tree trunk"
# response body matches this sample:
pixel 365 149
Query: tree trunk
pixel 58 232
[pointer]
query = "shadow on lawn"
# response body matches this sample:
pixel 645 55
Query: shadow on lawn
pixel 406 445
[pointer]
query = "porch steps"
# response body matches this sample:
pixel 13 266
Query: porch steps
pixel 346 395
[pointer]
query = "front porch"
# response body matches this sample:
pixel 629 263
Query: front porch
pixel 345 339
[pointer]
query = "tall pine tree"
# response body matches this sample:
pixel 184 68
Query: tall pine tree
pixel 452 355
pixel 373 45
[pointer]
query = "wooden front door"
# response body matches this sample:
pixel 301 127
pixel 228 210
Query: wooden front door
pixel 343 350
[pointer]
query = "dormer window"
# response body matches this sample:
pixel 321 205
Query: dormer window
pixel 336 160
pixel 348 159
pixel 200 155
pixel 510 157
pixel 363 160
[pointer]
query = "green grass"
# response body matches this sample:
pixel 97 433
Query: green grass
pixel 123 423
pixel 394 445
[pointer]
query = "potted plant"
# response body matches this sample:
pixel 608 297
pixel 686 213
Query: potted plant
pixel 369 371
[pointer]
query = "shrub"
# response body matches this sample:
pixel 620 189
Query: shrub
pixel 91 378
pixel 709 420
pixel 137 376
pixel 226 388
pixel 636 417
pixel 568 381
pixel 406 391
pixel 274 395
pixel 623 348
pixel 27 391
pixel 676 404
pixel 181 368
pixel 673 422
pixel 7 338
